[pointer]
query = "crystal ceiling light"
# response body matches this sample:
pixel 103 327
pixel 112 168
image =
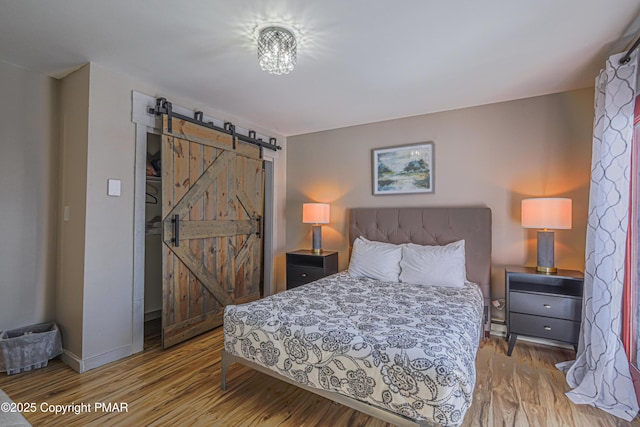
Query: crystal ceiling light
pixel 276 50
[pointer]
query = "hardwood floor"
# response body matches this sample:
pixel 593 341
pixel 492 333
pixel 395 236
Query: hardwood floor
pixel 181 387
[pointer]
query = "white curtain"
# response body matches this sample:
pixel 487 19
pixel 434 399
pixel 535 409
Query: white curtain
pixel 600 374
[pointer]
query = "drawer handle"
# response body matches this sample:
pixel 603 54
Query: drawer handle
pixel 546 305
pixel 547 328
pixel 304 274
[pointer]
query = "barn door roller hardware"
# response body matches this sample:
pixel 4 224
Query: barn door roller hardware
pixel 165 107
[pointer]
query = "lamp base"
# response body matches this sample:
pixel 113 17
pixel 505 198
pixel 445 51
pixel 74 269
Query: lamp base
pixel 546 256
pixel 317 239
pixel 546 270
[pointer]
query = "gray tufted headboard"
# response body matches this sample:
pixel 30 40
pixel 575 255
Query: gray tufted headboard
pixel 432 226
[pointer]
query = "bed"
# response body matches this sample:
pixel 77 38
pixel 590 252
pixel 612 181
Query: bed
pixel 402 352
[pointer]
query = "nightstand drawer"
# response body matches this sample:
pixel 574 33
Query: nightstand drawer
pixel 304 274
pixel 304 266
pixel 294 284
pixel 544 327
pixel 545 305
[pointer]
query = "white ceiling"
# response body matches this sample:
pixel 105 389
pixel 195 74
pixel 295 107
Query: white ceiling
pixel 359 61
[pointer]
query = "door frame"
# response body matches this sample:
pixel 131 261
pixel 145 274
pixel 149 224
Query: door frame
pixel 146 122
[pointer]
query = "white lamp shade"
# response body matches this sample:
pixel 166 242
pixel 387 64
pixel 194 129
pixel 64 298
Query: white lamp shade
pixel 546 213
pixel 315 213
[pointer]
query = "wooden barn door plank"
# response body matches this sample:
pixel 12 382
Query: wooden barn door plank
pixel 216 192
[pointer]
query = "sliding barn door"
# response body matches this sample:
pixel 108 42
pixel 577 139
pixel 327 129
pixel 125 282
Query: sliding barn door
pixel 212 195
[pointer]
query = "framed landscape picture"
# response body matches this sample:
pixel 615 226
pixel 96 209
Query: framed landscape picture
pixel 403 169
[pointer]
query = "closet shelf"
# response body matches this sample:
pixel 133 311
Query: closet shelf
pixel 153 228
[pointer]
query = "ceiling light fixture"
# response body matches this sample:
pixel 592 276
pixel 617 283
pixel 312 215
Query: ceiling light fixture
pixel 276 50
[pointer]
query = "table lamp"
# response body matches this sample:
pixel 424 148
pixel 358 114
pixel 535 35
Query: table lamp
pixel 546 213
pixel 316 214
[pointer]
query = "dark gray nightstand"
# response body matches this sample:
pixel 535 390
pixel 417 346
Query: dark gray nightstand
pixel 303 266
pixel 543 305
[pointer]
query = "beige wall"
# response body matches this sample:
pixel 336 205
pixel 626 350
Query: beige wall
pixel 74 137
pixel 108 284
pixel 28 196
pixel 493 155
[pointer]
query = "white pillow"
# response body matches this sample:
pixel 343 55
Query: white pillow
pixel 434 265
pixel 376 260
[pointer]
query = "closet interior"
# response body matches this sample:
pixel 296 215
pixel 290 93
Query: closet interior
pixel 153 232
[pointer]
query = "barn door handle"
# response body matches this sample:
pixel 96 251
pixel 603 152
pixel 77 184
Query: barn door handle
pixel 259 230
pixel 176 230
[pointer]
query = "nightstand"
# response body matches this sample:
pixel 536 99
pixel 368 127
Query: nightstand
pixel 303 266
pixel 543 305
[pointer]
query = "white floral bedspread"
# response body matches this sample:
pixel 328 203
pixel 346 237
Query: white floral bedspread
pixel 410 349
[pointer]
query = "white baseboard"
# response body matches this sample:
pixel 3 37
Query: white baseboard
pixel 73 361
pixel 82 365
pixel 498 330
pixel 108 357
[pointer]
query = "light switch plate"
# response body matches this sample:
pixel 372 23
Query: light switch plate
pixel 113 187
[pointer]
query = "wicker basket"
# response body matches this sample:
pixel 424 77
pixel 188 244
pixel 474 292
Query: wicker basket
pixel 28 348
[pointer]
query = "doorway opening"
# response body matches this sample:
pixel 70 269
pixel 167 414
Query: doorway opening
pixel 147 298
pixel 153 241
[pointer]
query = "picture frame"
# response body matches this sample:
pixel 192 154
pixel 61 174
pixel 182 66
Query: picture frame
pixel 404 169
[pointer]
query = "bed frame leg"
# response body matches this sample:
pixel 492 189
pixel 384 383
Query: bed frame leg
pixel 225 362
